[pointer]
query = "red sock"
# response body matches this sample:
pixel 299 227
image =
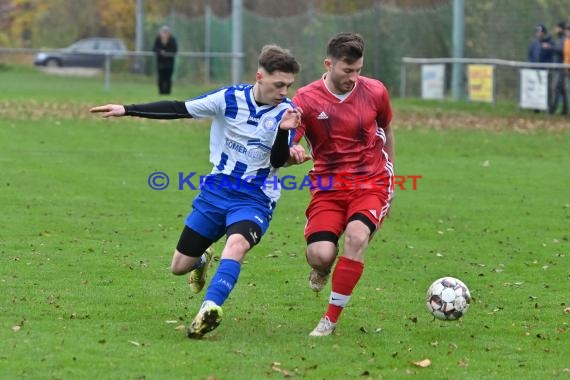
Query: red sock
pixel 345 276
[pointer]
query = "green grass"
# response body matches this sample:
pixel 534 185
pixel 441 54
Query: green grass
pixel 85 248
pixel 434 107
pixel 21 83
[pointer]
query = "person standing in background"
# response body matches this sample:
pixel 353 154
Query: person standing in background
pixel 165 48
pixel 559 74
pixel 540 50
pixel 566 52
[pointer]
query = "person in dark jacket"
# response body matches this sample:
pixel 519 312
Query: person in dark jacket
pixel 559 85
pixel 165 48
pixel 540 50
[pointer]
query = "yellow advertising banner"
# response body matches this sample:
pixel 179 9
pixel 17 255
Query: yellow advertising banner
pixel 481 83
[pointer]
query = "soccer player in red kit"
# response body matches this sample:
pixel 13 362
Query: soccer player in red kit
pixel 346 122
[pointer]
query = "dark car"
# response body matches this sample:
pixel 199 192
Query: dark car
pixel 89 52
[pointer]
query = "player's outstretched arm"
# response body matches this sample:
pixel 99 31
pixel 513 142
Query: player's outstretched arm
pixel 166 109
pixel 109 110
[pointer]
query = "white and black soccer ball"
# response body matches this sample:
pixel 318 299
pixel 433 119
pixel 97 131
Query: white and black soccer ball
pixel 448 298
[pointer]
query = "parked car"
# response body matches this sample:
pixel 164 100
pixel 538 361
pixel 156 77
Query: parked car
pixel 89 52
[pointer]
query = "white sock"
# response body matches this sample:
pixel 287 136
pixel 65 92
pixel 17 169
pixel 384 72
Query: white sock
pixel 206 304
pixel 338 299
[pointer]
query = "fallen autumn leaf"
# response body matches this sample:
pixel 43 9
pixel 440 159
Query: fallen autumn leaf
pixel 422 363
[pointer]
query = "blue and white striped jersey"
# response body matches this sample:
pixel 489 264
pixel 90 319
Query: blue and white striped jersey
pixel 241 135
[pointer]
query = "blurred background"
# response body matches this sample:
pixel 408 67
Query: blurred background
pixel 392 30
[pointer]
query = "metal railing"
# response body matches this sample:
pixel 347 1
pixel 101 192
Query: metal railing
pixel 406 61
pixel 110 55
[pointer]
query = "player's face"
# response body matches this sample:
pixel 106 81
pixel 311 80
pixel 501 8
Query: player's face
pixel 341 75
pixel 273 87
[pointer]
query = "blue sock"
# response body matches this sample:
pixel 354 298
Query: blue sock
pixel 223 281
pixel 198 263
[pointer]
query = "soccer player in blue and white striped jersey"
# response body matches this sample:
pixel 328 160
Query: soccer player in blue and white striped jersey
pixel 249 140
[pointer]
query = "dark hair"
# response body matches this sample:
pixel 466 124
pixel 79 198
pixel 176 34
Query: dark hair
pixel 345 46
pixel 275 58
pixel 541 28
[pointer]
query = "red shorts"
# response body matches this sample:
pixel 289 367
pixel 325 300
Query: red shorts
pixel 329 211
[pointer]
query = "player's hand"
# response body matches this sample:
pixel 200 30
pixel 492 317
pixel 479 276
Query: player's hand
pixel 109 110
pixel 297 155
pixel 291 119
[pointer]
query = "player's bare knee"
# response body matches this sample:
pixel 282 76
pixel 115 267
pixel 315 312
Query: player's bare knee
pixel 321 255
pixel 238 242
pixel 236 247
pixel 356 239
pixel 177 270
pixel 315 252
pixel 181 263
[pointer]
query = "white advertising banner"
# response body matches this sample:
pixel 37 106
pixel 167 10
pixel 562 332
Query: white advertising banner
pixel 534 89
pixel 433 81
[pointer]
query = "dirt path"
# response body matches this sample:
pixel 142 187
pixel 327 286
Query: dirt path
pixel 523 123
pixel 526 122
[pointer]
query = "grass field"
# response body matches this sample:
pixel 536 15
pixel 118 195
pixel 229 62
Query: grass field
pixel 85 248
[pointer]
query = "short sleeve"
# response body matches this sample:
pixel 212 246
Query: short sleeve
pixel 207 105
pixel 384 108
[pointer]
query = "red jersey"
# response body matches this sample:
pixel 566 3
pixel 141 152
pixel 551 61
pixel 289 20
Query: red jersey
pixel 346 137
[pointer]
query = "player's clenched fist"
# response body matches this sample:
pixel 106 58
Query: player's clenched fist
pixel 297 155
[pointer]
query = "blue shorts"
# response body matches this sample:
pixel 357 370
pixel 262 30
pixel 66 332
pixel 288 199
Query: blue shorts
pixel 218 207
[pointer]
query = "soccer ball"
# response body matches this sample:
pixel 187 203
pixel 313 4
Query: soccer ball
pixel 448 298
